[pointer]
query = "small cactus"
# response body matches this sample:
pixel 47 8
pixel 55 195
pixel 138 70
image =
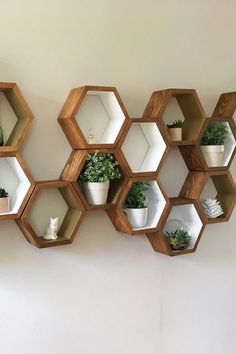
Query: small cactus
pixel 3 193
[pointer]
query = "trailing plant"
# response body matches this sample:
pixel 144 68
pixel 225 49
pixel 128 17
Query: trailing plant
pixel 1 137
pixel 100 167
pixel 136 197
pixel 215 134
pixel 178 239
pixel 3 193
pixel 176 124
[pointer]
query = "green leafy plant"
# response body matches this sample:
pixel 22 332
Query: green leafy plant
pixel 136 197
pixel 178 239
pixel 1 137
pixel 215 134
pixel 100 167
pixel 3 193
pixel 176 124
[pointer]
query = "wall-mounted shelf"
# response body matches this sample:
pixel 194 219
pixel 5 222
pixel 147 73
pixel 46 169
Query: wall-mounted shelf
pixel 17 181
pixel 157 202
pixel 74 167
pixel 186 211
pixel 150 147
pixel 98 108
pixel 51 199
pixel 224 190
pixel 190 107
pixel 193 156
pixel 15 117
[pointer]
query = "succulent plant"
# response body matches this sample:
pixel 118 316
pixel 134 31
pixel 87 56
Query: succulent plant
pixel 176 124
pixel 178 239
pixel 3 193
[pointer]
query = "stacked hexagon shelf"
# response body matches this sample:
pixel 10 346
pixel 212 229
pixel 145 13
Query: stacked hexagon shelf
pixel 94 118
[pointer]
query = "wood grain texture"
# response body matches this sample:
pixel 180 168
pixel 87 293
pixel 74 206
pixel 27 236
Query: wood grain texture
pixel 226 105
pixel 23 114
pixel 68 123
pixel 70 223
pixel 158 239
pixel 118 217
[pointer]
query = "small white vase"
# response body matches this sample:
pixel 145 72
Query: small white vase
pixel 96 192
pixel 137 217
pixel 175 134
pixel 213 154
pixel 5 206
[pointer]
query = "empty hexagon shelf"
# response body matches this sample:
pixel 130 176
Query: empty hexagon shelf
pixel 51 199
pixel 193 155
pixel 143 147
pixel 214 184
pixel 17 181
pixel 188 107
pixel 93 117
pixel 185 212
pixel 156 201
pixel 15 117
pixel 74 167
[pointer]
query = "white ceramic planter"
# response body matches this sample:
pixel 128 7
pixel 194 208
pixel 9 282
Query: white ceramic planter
pixel 5 206
pixel 175 134
pixel 137 217
pixel 213 154
pixel 96 192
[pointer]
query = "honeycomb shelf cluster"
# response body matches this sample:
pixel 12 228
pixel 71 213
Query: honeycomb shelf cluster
pixel 120 135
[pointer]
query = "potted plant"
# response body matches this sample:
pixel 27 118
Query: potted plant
pixel 99 169
pixel 178 239
pixel 4 201
pixel 1 137
pixel 175 130
pixel 212 143
pixel 136 204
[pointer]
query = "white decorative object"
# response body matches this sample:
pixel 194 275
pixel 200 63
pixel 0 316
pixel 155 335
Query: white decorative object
pixel 212 208
pixel 96 192
pixel 92 136
pixel 51 232
pixel 213 154
pixel 137 216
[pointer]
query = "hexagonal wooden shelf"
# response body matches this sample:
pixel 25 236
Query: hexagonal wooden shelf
pixel 224 190
pixel 150 147
pixel 74 166
pixel 98 108
pixel 226 106
pixel 17 123
pixel 184 210
pixel 191 110
pixel 45 199
pixel 17 181
pixel 157 205
pixel 193 156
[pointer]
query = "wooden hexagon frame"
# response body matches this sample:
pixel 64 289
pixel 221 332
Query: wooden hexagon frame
pixel 23 114
pixel 70 223
pixel 70 126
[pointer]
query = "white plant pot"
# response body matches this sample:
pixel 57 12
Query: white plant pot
pixel 96 192
pixel 137 217
pixel 5 206
pixel 175 134
pixel 213 154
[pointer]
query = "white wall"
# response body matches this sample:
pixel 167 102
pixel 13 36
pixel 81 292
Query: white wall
pixel 107 293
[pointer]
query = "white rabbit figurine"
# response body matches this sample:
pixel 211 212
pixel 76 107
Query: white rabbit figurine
pixel 51 232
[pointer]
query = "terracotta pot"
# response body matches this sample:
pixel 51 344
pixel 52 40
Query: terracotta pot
pixel 175 134
pixel 5 206
pixel 213 154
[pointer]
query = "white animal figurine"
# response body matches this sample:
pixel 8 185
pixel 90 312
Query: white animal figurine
pixel 92 136
pixel 51 232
